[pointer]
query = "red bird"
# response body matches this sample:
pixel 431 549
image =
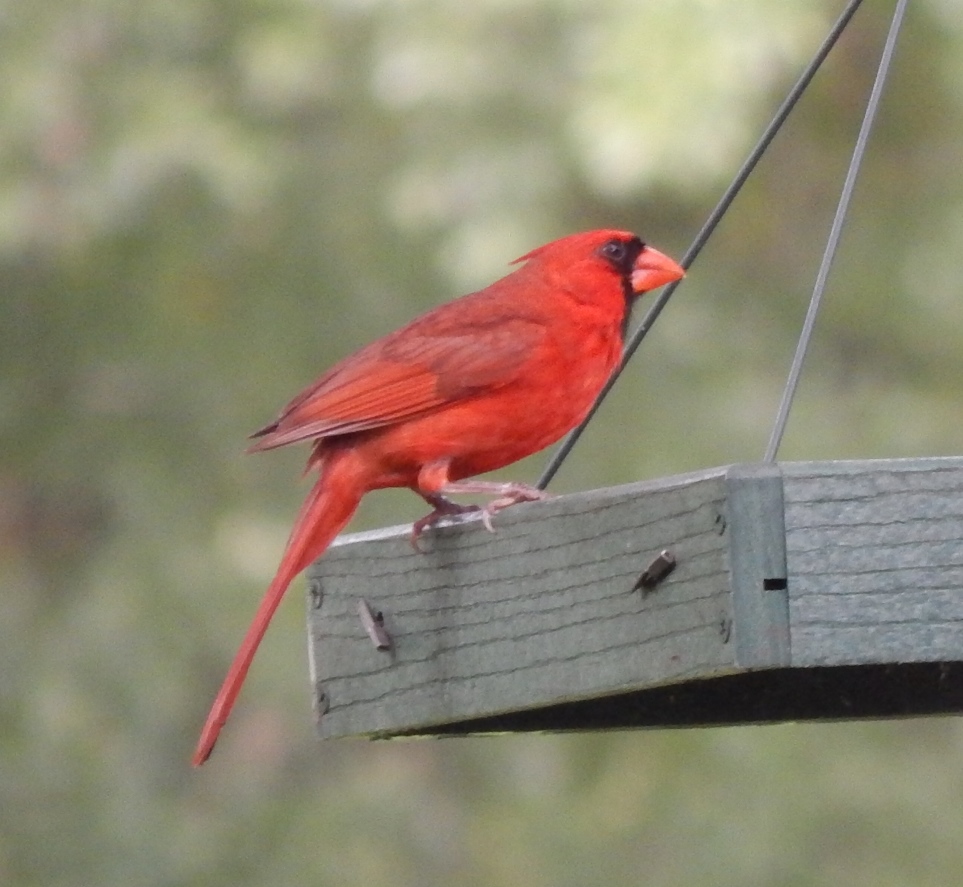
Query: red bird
pixel 469 387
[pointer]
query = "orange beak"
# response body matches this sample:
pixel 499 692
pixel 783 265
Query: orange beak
pixel 653 269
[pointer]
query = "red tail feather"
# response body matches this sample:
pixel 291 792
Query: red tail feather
pixel 328 507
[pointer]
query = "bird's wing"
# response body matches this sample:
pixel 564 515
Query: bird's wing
pixel 441 358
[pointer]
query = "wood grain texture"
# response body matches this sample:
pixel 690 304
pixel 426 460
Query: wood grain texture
pixel 540 612
pixel 875 557
pixel 537 626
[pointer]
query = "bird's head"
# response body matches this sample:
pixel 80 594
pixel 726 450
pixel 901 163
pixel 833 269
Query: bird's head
pixel 606 252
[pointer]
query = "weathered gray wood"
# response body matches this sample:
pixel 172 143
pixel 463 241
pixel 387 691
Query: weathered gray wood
pixel 536 626
pixel 757 563
pixel 540 612
pixel 875 557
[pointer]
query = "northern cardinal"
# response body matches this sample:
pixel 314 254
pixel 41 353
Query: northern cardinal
pixel 469 387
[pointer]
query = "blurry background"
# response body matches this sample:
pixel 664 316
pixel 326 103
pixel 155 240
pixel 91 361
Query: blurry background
pixel 204 204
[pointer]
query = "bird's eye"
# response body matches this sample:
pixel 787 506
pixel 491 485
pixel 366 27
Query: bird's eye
pixel 614 251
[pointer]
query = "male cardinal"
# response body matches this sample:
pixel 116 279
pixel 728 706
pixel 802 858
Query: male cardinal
pixel 469 387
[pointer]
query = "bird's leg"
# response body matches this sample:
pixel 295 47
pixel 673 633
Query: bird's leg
pixel 442 508
pixel 505 494
pixel 433 486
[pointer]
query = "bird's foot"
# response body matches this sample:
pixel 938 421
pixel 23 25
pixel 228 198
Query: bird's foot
pixel 510 494
pixel 443 508
pixel 505 494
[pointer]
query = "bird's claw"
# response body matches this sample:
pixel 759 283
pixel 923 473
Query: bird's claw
pixel 512 496
pixel 508 494
pixel 443 508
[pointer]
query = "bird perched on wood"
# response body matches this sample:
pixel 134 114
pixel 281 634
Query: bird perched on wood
pixel 469 387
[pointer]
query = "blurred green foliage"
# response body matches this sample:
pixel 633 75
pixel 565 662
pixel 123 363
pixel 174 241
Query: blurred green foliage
pixel 204 204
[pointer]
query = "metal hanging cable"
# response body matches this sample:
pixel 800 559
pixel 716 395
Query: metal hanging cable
pixel 835 230
pixel 559 456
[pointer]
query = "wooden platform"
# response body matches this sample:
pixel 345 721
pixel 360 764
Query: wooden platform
pixel 802 590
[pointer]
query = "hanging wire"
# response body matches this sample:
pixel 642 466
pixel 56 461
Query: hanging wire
pixel 559 456
pixel 832 243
